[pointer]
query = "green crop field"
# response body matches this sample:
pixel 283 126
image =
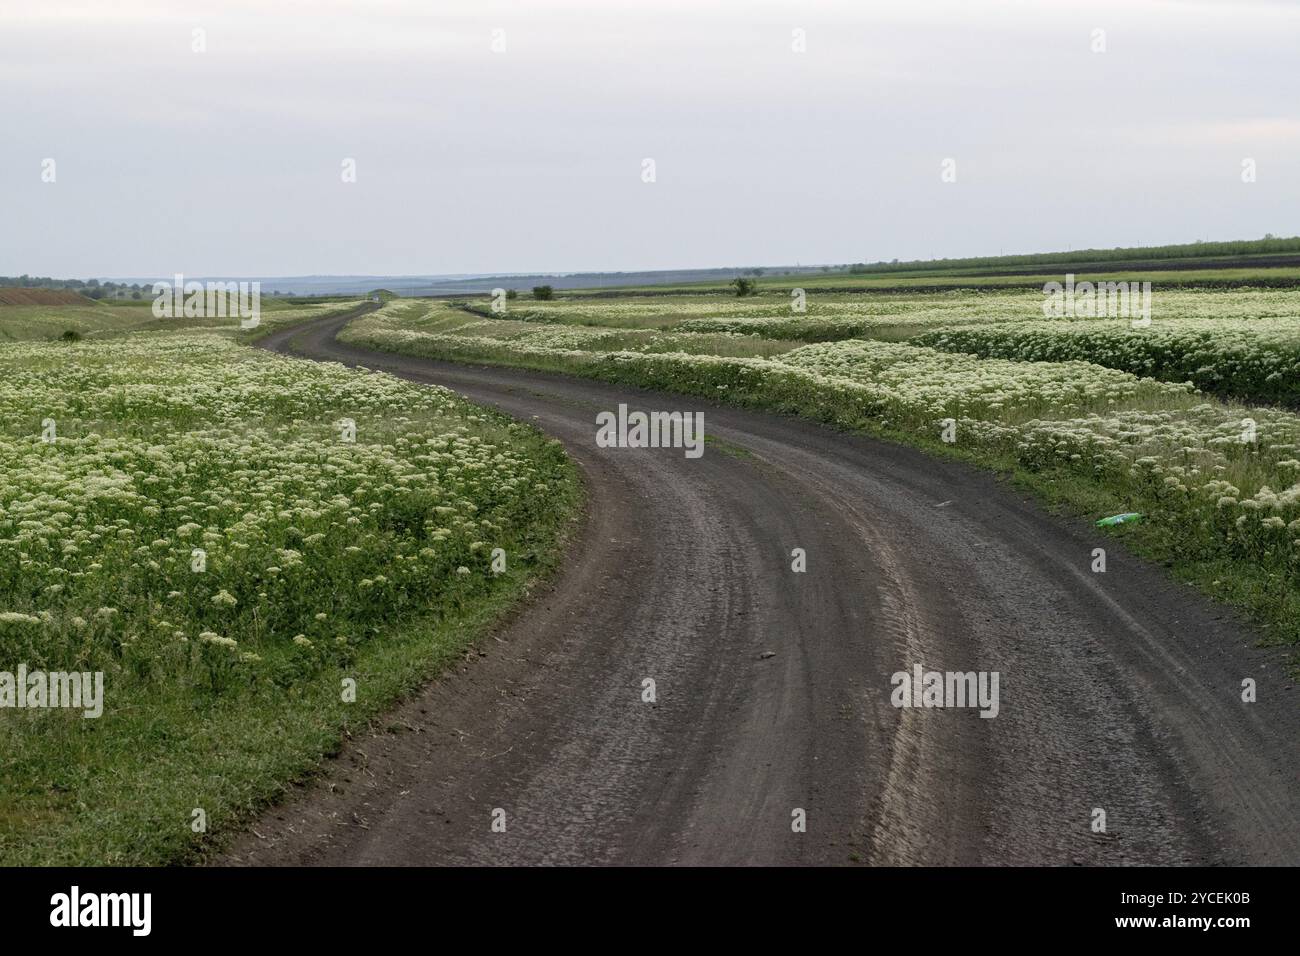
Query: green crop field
pixel 1237 276
pixel 111 317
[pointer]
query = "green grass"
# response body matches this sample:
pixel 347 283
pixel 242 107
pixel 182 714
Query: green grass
pixel 29 322
pixel 105 318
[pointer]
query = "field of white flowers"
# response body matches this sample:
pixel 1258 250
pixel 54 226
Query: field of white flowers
pixel 1256 359
pixel 224 532
pixel 1218 482
pixel 828 315
pixel 430 322
pixel 1239 343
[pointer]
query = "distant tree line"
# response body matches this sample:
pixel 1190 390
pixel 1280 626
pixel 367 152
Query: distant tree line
pixel 1270 244
pixel 91 288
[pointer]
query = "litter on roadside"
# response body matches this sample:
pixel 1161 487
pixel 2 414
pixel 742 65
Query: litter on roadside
pixel 1119 519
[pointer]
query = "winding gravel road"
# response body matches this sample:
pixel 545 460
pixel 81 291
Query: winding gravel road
pixel 1118 691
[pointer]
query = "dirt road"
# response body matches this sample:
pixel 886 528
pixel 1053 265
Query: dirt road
pixel 1118 692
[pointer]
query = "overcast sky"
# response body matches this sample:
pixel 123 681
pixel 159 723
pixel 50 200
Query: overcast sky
pixel 230 161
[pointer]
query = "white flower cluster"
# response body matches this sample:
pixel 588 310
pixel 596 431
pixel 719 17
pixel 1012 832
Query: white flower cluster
pixel 170 445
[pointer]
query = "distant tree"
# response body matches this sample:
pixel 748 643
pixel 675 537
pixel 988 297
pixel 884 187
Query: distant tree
pixel 543 292
pixel 96 293
pixel 744 286
pixel 136 294
pixel 513 293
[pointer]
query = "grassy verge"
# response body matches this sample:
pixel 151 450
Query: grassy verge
pixel 125 794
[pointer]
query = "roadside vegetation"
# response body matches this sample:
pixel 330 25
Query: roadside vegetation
pixel 234 539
